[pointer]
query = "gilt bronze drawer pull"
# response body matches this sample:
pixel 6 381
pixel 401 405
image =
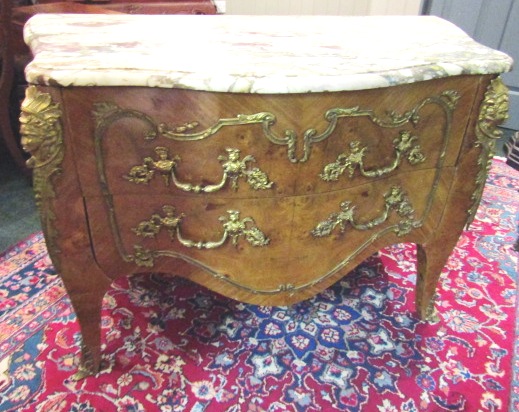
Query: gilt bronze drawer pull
pixel 404 146
pixel 233 169
pixel 395 199
pixel 234 228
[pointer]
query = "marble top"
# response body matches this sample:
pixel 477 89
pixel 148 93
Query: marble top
pixel 251 54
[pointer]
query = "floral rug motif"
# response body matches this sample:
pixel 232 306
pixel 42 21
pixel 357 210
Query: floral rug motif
pixel 170 345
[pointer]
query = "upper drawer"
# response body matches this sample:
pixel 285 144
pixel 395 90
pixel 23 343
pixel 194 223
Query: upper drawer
pixel 143 140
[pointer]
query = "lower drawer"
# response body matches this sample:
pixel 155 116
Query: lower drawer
pixel 262 246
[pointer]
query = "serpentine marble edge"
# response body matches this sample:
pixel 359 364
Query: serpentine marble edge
pixel 251 54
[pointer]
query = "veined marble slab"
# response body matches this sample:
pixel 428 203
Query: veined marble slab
pixel 251 54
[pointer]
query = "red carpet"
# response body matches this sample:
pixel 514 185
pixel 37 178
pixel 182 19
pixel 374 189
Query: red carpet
pixel 170 345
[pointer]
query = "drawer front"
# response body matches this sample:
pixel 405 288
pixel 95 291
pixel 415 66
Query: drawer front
pixel 147 141
pixel 262 246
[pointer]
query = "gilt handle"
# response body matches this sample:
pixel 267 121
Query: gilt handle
pixel 233 228
pixel 404 146
pixel 233 168
pixel 394 200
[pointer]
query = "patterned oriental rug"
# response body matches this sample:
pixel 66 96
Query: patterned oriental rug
pixel 170 345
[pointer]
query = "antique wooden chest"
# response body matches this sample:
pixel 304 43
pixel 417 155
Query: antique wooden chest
pixel 262 157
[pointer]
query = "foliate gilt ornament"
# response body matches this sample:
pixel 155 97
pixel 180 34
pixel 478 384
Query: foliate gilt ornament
pixel 42 137
pixel 234 168
pixel 151 227
pixel 162 164
pixel 41 130
pixel 235 228
pixel 143 257
pixel 493 112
